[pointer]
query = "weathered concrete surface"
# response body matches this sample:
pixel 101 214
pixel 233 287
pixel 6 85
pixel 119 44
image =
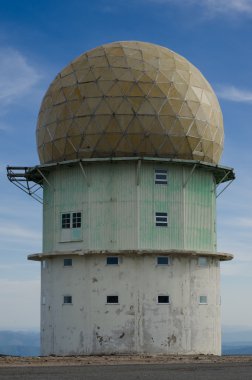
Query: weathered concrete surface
pixel 137 324
pixel 219 370
pixel 16 361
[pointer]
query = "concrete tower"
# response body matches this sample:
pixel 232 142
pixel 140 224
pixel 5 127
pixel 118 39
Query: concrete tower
pixel 129 137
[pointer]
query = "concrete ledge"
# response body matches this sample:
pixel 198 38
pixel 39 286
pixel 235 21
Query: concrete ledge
pixel 141 252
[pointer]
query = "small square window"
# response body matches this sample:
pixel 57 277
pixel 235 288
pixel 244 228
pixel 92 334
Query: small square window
pixel 112 260
pixel 202 261
pixel 76 219
pixel 161 219
pixel 163 299
pixel 43 264
pixel 112 299
pixel 68 262
pixel 162 260
pixel 67 299
pixel 43 300
pixel 161 176
pixel 203 300
pixel 66 220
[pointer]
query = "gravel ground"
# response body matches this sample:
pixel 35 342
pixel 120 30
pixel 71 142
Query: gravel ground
pixel 14 361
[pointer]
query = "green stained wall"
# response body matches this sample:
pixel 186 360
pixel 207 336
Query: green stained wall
pixel 119 214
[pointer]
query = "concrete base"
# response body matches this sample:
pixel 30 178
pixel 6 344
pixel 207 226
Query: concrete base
pixel 138 323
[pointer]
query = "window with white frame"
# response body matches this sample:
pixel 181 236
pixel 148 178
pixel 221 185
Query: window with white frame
pixel 203 300
pixel 71 223
pixel 76 220
pixel 161 219
pixel 66 220
pixel 202 261
pixel 163 299
pixel 163 260
pixel 160 176
pixel 71 220
pixel 67 300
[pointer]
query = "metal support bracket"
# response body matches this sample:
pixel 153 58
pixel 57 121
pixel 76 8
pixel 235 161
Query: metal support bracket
pixel 189 176
pixel 223 179
pixel 44 177
pixel 84 173
pixel 224 188
pixel 139 163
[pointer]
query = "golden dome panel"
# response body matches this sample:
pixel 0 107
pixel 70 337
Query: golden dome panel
pixel 128 99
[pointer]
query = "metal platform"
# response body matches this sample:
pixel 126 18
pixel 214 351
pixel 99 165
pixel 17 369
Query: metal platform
pixel 25 179
pixel 31 179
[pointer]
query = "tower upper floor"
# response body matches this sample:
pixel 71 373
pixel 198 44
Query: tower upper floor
pixel 130 205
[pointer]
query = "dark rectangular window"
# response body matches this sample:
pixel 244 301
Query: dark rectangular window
pixel 203 300
pixel 163 260
pixel 161 219
pixel 67 299
pixel 161 176
pixel 112 260
pixel 163 299
pixel 68 262
pixel 66 220
pixel 76 219
pixel 112 299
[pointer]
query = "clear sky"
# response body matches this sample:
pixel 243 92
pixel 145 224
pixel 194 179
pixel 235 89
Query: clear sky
pixel 39 38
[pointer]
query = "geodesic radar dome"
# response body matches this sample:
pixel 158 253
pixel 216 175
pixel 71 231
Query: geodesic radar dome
pixel 129 99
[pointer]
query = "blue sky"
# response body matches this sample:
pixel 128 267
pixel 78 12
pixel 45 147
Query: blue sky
pixel 39 38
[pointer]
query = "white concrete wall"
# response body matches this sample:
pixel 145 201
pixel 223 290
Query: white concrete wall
pixel 137 323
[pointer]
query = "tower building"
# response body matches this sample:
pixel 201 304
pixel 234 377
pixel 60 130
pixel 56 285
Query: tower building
pixel 129 137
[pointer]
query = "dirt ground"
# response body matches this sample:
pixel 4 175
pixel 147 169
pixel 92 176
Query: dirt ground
pixel 15 361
